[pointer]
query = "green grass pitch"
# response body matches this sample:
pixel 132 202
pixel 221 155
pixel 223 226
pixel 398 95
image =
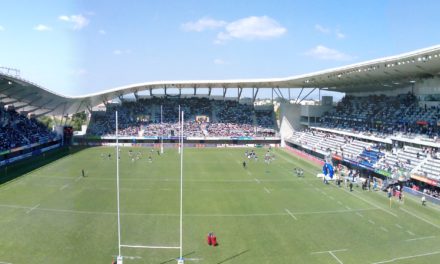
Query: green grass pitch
pixel 261 214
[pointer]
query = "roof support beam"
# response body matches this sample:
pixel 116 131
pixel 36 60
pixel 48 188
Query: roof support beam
pixel 239 90
pixel 79 106
pixel 319 96
pixel 195 90
pixel 64 111
pixel 209 91
pixel 271 101
pixel 151 91
pixel 224 92
pixel 302 89
pixel 254 96
pixel 136 95
pixel 307 95
pixel 282 95
pixel 276 92
pixel 165 90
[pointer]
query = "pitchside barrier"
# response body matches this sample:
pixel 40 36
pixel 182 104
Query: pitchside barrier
pixel 187 144
pixel 306 156
pixel 429 198
pixel 35 152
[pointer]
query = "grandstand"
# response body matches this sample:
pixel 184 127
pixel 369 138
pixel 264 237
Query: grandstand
pixel 205 118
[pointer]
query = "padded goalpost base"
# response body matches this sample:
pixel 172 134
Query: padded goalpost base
pixel 180 261
pixel 119 260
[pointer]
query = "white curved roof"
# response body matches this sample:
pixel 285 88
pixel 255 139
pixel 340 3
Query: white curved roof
pixel 380 74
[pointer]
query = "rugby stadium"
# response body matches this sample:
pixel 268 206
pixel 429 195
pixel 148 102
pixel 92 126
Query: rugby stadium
pixel 155 173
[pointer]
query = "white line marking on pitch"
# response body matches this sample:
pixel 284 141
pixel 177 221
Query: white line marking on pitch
pixel 290 213
pixel 384 229
pixel 411 233
pixel 421 218
pixel 339 202
pixel 419 238
pixel 331 197
pixel 5 262
pixel 33 208
pixel 359 214
pixel 408 257
pixel 399 226
pixel 64 187
pixel 267 190
pixel 176 215
pixel 77 179
pixel 152 247
pixel 332 254
pixel 348 207
pixel 372 204
pixel 131 257
pixel 336 250
pixel 193 259
pixel 371 222
pixel 257 180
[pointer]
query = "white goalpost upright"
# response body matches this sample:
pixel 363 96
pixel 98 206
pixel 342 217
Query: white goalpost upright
pixel 119 258
pixel 179 122
pixel 161 127
pixel 180 260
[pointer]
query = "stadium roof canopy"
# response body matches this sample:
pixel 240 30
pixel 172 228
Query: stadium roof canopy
pixel 380 74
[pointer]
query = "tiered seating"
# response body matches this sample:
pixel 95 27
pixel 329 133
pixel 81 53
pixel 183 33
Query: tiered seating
pixel 333 142
pixel 369 157
pixel 431 169
pixel 203 116
pixel 354 148
pixel 408 156
pixel 17 130
pixel 384 115
pixel 310 140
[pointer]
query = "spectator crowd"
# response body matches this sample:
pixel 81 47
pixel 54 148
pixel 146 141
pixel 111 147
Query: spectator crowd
pixel 204 117
pixel 17 130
